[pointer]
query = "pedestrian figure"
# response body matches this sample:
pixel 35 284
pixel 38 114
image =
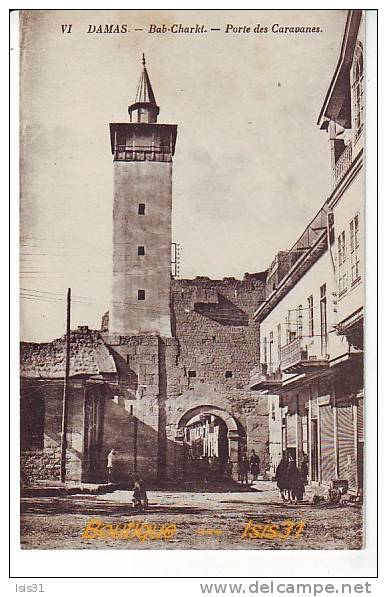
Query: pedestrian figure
pixel 140 498
pixel 229 468
pixel 304 469
pixel 111 461
pixel 244 470
pixel 254 465
pixel 296 486
pixel 281 476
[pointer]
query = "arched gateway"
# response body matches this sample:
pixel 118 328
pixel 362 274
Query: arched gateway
pixel 227 441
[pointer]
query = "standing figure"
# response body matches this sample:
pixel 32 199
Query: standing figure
pixel 304 469
pixel 244 470
pixel 140 498
pixel 111 461
pixel 254 465
pixel 281 476
pixel 295 483
pixel 229 468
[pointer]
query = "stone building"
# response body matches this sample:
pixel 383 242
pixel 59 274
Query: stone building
pixel 169 351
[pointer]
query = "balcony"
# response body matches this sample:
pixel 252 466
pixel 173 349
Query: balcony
pixel 343 164
pixel 262 377
pixel 298 357
pixel 156 153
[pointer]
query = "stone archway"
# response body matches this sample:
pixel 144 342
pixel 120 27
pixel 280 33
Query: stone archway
pixel 234 434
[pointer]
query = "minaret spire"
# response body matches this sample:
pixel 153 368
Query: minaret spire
pixel 144 108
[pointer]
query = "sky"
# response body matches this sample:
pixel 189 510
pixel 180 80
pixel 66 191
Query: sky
pixel 251 166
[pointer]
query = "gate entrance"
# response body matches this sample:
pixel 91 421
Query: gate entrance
pixel 210 439
pixel 206 449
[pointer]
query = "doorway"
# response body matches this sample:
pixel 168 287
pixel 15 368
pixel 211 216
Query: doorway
pixel 314 449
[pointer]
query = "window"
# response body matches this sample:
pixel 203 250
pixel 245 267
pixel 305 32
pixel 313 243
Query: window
pixel 358 90
pixel 141 209
pixel 299 321
pixel 354 245
pixel 264 361
pixel 342 262
pixel 191 373
pixel 331 227
pixel 228 374
pixel 141 295
pixel 291 333
pixel 141 250
pixel 323 320
pixel 271 348
pixel 310 316
pixel 279 342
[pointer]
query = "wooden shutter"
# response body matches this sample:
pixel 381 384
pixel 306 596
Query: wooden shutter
pixel 327 444
pixel 346 443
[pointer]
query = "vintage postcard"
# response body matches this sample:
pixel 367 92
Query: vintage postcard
pixel 192 279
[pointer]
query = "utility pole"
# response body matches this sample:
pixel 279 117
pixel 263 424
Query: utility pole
pixel 63 440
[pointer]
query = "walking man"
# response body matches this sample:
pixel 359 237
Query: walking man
pixel 244 470
pixel 254 465
pixel 110 465
pixel 281 476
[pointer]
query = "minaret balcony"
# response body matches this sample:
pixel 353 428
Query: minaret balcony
pixel 138 153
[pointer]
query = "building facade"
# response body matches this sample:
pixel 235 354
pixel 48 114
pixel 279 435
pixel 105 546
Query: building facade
pixel 311 325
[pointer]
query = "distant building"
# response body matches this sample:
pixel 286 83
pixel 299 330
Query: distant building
pixel 311 325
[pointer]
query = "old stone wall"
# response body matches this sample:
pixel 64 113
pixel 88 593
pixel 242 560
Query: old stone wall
pixel 132 417
pixel 212 321
pixel 43 462
pixel 157 384
pixel 205 364
pixel 208 362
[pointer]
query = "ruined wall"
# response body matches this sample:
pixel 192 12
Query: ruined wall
pixel 212 321
pixel 208 362
pixel 155 384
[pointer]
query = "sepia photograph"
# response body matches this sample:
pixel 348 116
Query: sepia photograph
pixel 192 279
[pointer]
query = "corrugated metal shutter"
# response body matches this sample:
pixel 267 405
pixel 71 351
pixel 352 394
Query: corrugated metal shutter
pixel 327 444
pixel 360 420
pixel 291 431
pixel 346 444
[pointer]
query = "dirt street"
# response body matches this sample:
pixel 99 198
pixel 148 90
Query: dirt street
pixel 189 520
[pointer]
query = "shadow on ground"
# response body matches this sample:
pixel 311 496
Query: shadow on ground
pixel 94 508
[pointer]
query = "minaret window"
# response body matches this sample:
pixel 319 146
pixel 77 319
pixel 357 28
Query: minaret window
pixel 141 209
pixel 141 250
pixel 358 90
pixel 141 295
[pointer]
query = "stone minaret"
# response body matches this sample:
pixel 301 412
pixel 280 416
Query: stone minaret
pixel 142 216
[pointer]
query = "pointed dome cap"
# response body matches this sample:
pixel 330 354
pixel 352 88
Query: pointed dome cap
pixel 144 108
